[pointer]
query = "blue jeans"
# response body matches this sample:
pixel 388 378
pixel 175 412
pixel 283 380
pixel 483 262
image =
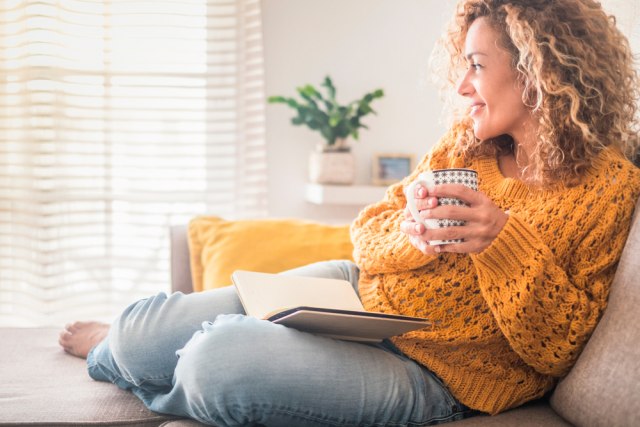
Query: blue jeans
pixel 199 356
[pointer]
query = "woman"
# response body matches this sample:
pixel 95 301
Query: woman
pixel 549 123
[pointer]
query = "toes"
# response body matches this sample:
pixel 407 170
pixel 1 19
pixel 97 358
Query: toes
pixel 66 336
pixel 73 327
pixel 63 341
pixel 78 337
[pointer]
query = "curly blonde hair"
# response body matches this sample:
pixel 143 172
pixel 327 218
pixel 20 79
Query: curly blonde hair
pixel 578 75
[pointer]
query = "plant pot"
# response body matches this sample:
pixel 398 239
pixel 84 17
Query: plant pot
pixel 332 166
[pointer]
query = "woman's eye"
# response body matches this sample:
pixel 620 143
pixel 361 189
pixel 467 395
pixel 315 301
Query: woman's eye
pixel 475 66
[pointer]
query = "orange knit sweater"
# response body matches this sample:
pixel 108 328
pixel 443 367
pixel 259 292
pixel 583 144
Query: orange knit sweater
pixel 509 321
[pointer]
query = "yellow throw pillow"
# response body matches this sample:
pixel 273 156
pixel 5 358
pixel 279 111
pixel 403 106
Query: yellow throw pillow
pixel 219 247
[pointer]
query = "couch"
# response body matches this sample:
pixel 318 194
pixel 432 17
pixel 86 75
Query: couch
pixel 40 385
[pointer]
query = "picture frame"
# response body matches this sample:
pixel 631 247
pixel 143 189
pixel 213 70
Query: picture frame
pixel 389 168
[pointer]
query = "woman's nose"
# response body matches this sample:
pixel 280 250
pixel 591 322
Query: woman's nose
pixel 464 86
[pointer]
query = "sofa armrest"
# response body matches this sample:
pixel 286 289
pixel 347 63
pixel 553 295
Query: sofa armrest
pixel 603 386
pixel 180 262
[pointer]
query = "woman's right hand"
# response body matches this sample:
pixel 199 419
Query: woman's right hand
pixel 413 229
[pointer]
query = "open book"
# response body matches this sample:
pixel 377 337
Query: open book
pixel 327 307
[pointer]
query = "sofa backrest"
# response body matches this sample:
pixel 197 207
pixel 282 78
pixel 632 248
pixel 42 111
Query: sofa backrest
pixel 603 388
pixel 179 260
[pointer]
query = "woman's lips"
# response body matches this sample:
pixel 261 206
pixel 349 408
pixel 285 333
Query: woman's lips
pixel 476 109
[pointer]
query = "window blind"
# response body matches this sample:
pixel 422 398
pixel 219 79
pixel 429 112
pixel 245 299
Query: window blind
pixel 118 119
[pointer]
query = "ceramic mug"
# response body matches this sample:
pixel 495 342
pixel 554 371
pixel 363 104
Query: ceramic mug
pixel 466 177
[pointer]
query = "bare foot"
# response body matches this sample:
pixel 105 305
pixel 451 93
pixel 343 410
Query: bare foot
pixel 79 338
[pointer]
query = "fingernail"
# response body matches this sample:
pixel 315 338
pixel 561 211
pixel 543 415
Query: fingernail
pixel 417 228
pixel 437 249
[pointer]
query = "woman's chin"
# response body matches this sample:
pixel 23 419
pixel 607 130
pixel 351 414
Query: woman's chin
pixel 482 133
pixel 479 133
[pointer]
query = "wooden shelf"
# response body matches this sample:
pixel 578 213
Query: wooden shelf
pixel 354 195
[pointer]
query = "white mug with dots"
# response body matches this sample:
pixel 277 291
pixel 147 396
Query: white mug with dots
pixel 429 179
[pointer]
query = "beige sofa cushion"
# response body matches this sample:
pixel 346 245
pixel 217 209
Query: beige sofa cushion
pixel 603 388
pixel 42 385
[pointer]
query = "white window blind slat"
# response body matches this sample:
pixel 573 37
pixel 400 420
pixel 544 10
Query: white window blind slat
pixel 119 118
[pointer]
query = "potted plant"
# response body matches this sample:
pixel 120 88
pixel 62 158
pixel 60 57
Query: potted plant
pixel 332 162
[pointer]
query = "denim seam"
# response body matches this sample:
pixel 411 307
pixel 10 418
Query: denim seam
pixel 295 413
pixel 453 404
pixel 451 400
pixel 455 415
pixel 93 364
pixel 255 408
pixel 425 374
pixel 312 417
pixel 140 382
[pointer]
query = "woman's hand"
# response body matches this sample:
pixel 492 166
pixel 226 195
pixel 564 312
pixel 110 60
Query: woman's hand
pixel 413 229
pixel 484 220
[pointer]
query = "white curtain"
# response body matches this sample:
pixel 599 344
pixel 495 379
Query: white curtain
pixel 119 118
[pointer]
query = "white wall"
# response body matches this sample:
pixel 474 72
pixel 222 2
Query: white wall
pixel 627 15
pixel 363 45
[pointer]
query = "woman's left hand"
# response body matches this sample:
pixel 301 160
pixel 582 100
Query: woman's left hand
pixel 484 220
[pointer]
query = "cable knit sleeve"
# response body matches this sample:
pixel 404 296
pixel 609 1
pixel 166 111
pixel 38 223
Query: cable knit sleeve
pixel 545 310
pixel 379 245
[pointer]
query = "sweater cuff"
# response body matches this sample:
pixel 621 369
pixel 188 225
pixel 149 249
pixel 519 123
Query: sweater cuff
pixel 510 252
pixel 409 256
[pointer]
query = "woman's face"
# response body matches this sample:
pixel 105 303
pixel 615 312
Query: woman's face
pixel 490 83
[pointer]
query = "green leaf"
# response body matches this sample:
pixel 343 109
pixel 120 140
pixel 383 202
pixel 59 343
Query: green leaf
pixel 293 103
pixel 309 92
pixel 274 99
pixel 330 88
pixel 325 115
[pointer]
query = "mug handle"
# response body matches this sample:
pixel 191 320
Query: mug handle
pixel 425 179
